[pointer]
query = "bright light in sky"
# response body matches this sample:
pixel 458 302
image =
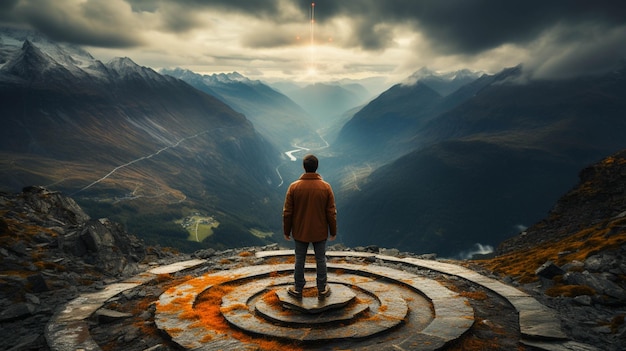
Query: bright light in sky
pixel 352 39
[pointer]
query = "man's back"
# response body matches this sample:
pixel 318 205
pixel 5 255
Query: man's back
pixel 309 212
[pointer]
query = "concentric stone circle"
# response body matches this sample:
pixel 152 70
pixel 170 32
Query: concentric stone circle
pixel 382 301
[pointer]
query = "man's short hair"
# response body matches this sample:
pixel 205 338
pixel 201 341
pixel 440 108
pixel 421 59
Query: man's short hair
pixel 310 163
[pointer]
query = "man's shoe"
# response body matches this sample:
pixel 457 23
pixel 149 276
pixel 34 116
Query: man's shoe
pixel 294 293
pixel 323 293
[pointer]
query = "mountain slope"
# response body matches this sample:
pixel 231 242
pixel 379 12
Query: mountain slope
pixel 492 165
pixel 381 129
pixel 274 115
pixel 125 138
pixel 327 102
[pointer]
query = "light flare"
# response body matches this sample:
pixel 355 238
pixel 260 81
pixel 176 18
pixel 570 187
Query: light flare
pixel 312 70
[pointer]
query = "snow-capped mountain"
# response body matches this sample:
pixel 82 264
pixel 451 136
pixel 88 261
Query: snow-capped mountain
pixel 120 134
pixel 443 83
pixel 273 114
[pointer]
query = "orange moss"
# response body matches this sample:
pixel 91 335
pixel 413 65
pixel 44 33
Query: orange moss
pixel 233 307
pixel 309 292
pixel 570 290
pixel 271 299
pixel 206 338
pixel 245 254
pixel 616 323
pixel 210 317
pixel 579 246
pixel 475 295
pixel 162 278
pixel 274 260
pixel 174 331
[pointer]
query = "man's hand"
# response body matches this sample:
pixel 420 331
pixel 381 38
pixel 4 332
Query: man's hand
pixel 332 237
pixel 287 237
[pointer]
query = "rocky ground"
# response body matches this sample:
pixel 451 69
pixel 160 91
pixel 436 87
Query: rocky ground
pixel 51 251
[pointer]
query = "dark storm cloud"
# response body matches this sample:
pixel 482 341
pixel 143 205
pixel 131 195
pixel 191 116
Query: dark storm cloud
pixel 450 26
pixel 96 23
pixel 472 26
pixel 553 37
pixel 264 8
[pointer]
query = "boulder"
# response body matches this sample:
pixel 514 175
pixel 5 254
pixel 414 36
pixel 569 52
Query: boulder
pixel 549 270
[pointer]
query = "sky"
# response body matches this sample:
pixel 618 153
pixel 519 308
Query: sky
pixel 275 40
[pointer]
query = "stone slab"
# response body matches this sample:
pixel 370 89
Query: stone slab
pixel 340 296
pixel 559 346
pixel 176 267
pixel 343 315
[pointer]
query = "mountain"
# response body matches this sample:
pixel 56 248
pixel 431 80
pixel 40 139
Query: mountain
pixel 443 83
pixel 383 127
pixel 130 143
pixel 54 256
pixel 596 206
pixel 387 126
pixel 326 102
pixel 274 115
pixel 486 167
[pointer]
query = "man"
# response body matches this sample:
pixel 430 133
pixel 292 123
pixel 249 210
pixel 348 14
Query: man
pixel 309 214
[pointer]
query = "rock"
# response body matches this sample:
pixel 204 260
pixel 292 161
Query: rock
pixel 32 341
pixel 594 280
pixel 105 315
pixel 16 311
pixel 549 270
pixel 573 266
pixel 584 300
pixel 37 283
pixel 430 256
pixel 389 252
pixel 337 247
pixel 598 263
pixel 53 204
pixel 372 249
pixel 204 254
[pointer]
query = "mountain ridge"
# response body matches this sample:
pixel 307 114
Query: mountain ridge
pixel 273 114
pixel 521 144
pixel 49 245
pixel 122 135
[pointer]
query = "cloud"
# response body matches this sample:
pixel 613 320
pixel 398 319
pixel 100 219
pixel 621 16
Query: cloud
pixel 554 38
pixel 565 52
pixel 477 249
pixel 98 23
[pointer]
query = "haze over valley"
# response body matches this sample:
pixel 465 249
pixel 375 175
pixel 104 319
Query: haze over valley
pixel 450 161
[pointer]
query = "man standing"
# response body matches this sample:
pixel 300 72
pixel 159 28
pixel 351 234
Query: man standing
pixel 310 215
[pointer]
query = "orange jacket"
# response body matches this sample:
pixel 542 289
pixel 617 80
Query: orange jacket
pixel 309 212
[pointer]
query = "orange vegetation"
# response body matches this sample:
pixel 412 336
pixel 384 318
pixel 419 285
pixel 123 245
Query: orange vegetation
pixel 206 310
pixel 271 299
pixel 586 242
pixel 570 290
pixel 474 295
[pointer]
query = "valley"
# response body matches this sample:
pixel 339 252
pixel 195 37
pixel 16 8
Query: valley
pixel 199 226
pixel 441 163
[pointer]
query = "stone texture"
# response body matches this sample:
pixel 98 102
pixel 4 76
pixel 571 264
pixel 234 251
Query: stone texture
pixel 340 296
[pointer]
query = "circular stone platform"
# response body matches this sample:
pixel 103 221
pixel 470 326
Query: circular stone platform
pixel 340 296
pixel 211 311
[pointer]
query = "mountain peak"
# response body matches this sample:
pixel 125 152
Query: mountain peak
pixel 125 67
pixel 444 83
pixel 121 62
pixel 232 77
pixel 29 63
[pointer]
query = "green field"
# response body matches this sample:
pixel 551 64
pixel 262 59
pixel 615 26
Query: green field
pixel 199 227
